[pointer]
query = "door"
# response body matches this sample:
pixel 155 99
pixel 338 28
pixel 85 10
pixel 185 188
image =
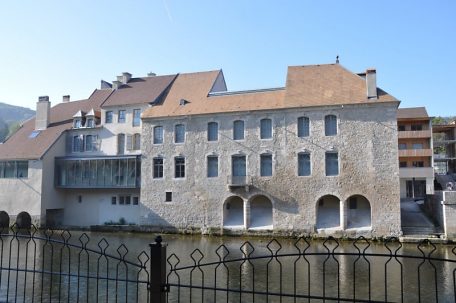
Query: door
pixel 409 188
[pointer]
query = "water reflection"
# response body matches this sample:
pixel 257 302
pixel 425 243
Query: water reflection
pixel 308 268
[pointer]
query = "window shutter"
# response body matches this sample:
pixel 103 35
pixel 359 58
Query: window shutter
pixel 129 142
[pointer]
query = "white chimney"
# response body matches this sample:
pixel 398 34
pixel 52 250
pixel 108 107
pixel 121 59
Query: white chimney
pixel 126 77
pixel 116 84
pixel 43 113
pixel 66 98
pixel 371 83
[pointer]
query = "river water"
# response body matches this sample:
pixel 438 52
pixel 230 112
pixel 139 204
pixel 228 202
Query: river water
pixel 327 269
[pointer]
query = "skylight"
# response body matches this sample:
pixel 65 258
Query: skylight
pixel 34 134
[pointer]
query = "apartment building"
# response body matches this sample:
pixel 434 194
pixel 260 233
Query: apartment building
pixel 79 162
pixel 415 153
pixel 445 148
pixel 316 156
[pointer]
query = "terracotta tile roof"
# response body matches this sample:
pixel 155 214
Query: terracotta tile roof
pixel 314 85
pixel 192 87
pixel 19 146
pixel 327 84
pixel 140 91
pixel 412 113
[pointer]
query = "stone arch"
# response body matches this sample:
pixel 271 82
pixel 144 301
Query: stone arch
pixel 328 212
pixel 261 212
pixel 358 212
pixel 233 212
pixel 4 220
pixel 24 220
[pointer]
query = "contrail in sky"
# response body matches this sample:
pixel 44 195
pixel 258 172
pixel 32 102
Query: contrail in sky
pixel 165 3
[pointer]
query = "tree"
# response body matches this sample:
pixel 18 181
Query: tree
pixel 439 120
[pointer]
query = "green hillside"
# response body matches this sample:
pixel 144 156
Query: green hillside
pixel 10 118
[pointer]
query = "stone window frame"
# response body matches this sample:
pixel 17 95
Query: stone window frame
pixel 216 133
pixel 162 167
pixel 334 151
pixel 262 154
pixel 162 134
pixel 239 154
pixel 185 132
pixel 243 129
pixel 308 126
pixel 304 152
pixel 272 128
pixel 175 168
pixel 337 123
pixel 212 155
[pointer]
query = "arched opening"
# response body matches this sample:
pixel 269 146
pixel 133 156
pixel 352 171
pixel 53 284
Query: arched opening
pixel 233 213
pixel 328 212
pixel 358 212
pixel 261 213
pixel 4 220
pixel 23 220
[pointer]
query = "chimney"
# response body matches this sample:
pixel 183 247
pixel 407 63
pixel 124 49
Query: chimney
pixel 43 113
pixel 151 74
pixel 116 84
pixel 371 83
pixel 126 77
pixel 66 98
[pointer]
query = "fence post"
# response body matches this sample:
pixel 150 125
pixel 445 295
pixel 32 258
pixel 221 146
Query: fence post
pixel 157 286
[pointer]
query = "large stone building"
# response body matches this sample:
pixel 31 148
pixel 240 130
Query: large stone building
pixel 316 156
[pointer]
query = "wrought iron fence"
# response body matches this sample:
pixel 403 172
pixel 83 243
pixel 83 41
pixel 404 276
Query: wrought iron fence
pixel 47 266
pixel 55 266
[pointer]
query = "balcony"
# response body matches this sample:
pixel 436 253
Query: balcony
pixel 426 152
pixel 412 134
pixel 416 172
pixel 98 172
pixel 238 181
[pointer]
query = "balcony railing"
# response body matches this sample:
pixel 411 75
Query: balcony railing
pixel 416 172
pixel 100 172
pixel 235 181
pixel 414 134
pixel 426 152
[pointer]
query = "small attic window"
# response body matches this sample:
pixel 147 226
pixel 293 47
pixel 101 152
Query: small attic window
pixel 183 102
pixel 34 134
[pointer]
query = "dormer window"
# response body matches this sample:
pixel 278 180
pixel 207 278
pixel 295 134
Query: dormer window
pixel 77 123
pixel 90 123
pixel 78 120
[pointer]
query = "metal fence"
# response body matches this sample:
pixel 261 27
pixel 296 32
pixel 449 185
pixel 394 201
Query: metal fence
pixel 47 266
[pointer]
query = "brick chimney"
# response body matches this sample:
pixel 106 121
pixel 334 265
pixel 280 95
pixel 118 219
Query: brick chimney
pixel 371 83
pixel 43 113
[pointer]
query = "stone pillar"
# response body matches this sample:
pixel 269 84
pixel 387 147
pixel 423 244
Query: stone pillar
pixel 246 213
pixel 343 214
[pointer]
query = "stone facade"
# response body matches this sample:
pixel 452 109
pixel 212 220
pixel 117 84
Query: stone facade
pixel 366 143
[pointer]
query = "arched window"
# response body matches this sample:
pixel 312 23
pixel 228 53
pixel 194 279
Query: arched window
pixel 303 127
pixel 330 125
pixel 120 144
pixel 179 133
pixel 136 142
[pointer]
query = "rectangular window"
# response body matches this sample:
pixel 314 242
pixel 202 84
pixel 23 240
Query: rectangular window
pixel 417 127
pixel 127 200
pixel 212 131
pixel 418 164
pixel 121 116
pixel 330 125
pixel 158 135
pixel 403 164
pixel 417 145
pixel 238 166
pixel 179 133
pixel 332 164
pixel 135 200
pixel 90 123
pixel 120 144
pixel 136 142
pixel 113 200
pixel 158 168
pixel 303 127
pixel 179 167
pixel 402 146
pixel 108 117
pixel 10 169
pixel 77 123
pixel 401 128
pixel 266 165
pixel 212 166
pixel 238 130
pixel 168 196
pixel 303 164
pixel 136 117
pixel 90 143
pixel 78 143
pixel 121 200
pixel 266 129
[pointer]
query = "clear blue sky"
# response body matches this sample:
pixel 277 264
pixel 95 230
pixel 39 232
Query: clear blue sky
pixel 65 47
